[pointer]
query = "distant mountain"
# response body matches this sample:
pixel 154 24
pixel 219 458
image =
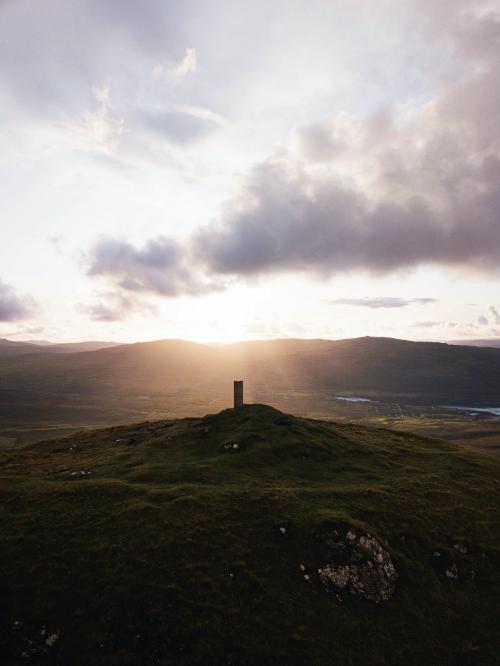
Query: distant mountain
pixel 76 347
pixel 477 343
pixel 9 347
pixel 382 368
pixel 12 347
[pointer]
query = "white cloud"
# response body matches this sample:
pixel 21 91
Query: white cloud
pixel 98 130
pixel 188 64
pixel 495 314
pixel 203 114
pixel 382 302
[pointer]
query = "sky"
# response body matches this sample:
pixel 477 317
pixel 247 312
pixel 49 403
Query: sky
pixel 226 170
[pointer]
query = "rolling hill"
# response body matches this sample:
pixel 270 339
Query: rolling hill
pixel 382 367
pixel 488 342
pixel 12 347
pixel 48 394
pixel 249 537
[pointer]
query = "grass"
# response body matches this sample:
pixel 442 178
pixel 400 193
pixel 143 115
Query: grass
pixel 170 550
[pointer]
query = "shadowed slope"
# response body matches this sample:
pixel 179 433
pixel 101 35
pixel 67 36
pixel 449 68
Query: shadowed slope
pixel 200 541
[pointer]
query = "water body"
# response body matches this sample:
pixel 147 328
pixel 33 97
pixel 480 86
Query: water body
pixel 352 399
pixel 495 411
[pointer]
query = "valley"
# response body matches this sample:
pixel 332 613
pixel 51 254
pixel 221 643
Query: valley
pixel 402 385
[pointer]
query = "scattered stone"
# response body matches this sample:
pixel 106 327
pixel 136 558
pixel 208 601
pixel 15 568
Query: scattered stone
pixel 437 553
pixel 283 530
pixel 339 576
pixel 307 578
pixel 302 567
pixel 461 548
pixel 357 563
pixel 53 638
pixel 452 572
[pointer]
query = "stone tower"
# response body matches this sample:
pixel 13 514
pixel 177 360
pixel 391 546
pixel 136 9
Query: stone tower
pixel 238 393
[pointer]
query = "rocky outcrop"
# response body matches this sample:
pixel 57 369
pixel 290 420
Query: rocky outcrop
pixel 358 564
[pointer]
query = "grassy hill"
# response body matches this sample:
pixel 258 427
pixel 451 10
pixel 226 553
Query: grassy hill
pixel 249 537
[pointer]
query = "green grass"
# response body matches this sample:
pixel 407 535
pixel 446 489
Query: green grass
pixel 170 551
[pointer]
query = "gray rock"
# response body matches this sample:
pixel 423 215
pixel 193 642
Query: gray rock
pixel 357 563
pixel 452 572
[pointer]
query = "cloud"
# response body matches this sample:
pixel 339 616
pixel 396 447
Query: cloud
pixel 482 321
pixel 390 191
pixel 318 142
pixel 434 324
pixel 98 130
pixel 25 330
pixel 161 268
pixel 383 302
pixel 170 73
pixel 391 195
pixel 114 306
pixel 181 124
pixel 427 324
pixel 12 306
pixel 495 314
pixel 188 64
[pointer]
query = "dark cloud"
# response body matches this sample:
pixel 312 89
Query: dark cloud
pixel 115 306
pixel 108 312
pixel 12 306
pixel 396 196
pixel 161 268
pixel 390 194
pixel 318 143
pixel 286 220
pixel 383 302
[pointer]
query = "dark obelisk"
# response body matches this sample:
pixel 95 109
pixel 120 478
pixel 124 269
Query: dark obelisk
pixel 238 393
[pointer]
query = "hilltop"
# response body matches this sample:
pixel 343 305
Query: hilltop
pixel 249 536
